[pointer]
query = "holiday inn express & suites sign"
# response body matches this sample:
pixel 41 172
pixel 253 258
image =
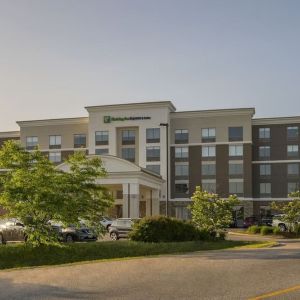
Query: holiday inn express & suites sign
pixel 109 119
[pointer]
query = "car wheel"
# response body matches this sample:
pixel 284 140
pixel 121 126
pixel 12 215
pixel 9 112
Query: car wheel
pixel 114 236
pixel 2 242
pixel 69 238
pixel 282 227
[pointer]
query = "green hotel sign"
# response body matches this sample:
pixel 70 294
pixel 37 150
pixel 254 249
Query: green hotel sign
pixel 109 119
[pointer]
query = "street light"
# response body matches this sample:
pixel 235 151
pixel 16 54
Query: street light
pixel 167 142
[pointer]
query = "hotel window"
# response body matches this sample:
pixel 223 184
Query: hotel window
pixel 102 151
pixel 264 151
pixel 181 152
pixel 292 150
pixel 153 135
pixel 208 169
pixel 101 138
pixel 235 150
pixel 265 170
pixel 181 188
pixel 128 154
pixel 265 189
pixel 55 157
pixel 181 170
pixel 293 169
pixel 293 187
pixel 31 142
pixel 181 136
pixel 264 133
pixel 208 151
pixel 236 169
pixel 128 137
pixel 235 134
pixel 209 186
pixel 79 141
pixel 182 212
pixel 208 135
pixel 153 153
pixel 54 141
pixel 236 188
pixel 154 168
pixel 293 132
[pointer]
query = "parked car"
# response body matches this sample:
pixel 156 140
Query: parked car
pixel 266 221
pixel 120 228
pixel 106 222
pixel 72 234
pixel 280 223
pixel 12 230
pixel 250 221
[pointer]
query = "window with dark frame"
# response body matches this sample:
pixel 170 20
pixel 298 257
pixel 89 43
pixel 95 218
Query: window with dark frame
pixel 153 168
pixel 264 133
pixel 208 135
pixel 54 141
pixel 153 153
pixel 235 134
pixel 101 138
pixel 128 137
pixel 31 142
pixel 79 140
pixel 292 132
pixel 128 154
pixel 153 135
pixel 181 136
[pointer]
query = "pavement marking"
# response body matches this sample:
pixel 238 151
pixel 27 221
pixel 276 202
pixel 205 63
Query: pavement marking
pixel 276 293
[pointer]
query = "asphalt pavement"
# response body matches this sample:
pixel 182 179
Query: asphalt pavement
pixel 269 273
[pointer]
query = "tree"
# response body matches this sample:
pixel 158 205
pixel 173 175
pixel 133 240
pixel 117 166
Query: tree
pixel 210 212
pixel 35 191
pixel 290 210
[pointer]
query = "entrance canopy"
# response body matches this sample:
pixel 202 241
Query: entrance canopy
pixel 140 187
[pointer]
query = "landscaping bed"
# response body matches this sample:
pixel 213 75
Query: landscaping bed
pixel 21 255
pixel 273 231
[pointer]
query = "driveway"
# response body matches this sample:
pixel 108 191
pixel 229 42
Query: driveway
pixel 225 274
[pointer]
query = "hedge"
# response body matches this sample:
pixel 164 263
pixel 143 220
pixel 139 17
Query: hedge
pixel 165 229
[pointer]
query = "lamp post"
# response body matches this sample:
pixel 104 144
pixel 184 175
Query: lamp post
pixel 166 125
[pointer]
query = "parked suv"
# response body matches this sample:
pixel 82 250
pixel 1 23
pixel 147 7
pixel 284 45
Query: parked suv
pixel 74 234
pixel 106 222
pixel 12 230
pixel 120 228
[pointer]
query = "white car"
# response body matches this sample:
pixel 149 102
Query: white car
pixel 106 222
pixel 281 224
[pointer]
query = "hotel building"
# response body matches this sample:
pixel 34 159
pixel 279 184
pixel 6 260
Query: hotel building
pixel 226 151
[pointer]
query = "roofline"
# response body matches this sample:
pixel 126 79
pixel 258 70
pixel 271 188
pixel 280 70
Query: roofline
pixel 167 103
pixel 47 122
pixel 8 134
pixel 276 120
pixel 213 112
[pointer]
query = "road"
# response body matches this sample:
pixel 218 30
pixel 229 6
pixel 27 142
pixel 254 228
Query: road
pixel 225 274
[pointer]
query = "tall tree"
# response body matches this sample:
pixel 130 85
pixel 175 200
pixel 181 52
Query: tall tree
pixel 290 210
pixel 36 192
pixel 210 212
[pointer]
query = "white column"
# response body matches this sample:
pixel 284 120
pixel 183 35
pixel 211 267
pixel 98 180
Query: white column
pixel 125 199
pixel 149 203
pixel 134 193
pixel 155 202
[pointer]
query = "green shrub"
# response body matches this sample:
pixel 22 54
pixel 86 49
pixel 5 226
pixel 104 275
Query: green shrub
pixel 296 229
pixel 265 230
pixel 165 229
pixel 277 231
pixel 254 229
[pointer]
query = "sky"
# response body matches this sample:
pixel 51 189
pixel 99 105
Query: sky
pixel 58 56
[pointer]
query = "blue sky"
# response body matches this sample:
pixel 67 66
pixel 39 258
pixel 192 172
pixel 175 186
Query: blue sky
pixel 58 56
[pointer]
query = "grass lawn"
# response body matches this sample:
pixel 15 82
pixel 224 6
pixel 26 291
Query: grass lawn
pixel 19 255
